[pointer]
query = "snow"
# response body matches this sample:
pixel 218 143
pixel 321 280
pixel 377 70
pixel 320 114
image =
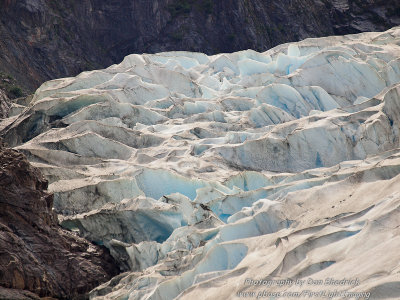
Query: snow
pixel 198 172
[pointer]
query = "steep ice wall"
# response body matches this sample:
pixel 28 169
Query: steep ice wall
pixel 203 171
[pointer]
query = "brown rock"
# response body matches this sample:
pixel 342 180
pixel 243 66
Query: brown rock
pixel 36 255
pixel 17 294
pixel 4 104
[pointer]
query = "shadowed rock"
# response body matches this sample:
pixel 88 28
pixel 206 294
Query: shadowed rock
pixel 36 255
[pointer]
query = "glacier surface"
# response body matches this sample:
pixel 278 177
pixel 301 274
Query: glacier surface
pixel 201 172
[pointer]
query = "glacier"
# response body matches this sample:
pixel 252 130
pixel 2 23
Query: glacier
pixel 201 172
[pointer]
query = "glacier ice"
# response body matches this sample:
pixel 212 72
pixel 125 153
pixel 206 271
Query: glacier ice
pixel 199 172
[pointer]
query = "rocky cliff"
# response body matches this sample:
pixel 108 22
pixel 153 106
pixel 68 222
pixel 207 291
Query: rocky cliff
pixel 37 257
pixel 4 104
pixel 43 39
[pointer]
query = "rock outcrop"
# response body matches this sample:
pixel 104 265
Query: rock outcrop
pixel 37 257
pixel 4 104
pixel 47 39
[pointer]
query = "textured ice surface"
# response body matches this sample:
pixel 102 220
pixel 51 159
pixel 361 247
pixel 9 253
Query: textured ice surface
pixel 199 172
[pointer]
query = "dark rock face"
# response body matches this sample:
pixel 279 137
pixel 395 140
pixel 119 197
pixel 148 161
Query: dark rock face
pixel 45 39
pixel 4 104
pixel 18 294
pixel 36 255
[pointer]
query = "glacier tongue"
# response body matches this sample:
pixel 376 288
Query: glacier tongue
pixel 200 172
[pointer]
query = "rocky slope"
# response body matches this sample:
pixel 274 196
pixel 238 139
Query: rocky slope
pixel 37 257
pixel 46 39
pixel 203 174
pixel 4 104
